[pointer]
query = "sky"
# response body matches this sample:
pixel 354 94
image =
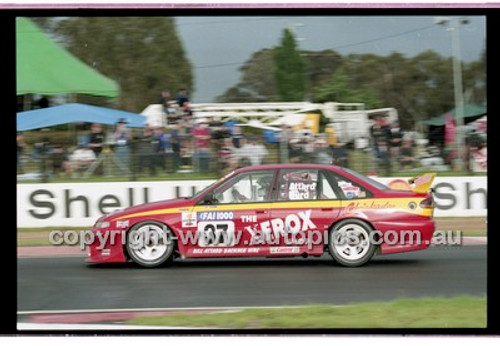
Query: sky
pixel 218 46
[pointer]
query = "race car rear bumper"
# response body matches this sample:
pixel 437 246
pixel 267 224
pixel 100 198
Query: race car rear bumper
pixel 411 235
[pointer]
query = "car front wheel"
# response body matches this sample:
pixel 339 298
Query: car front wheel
pixel 150 244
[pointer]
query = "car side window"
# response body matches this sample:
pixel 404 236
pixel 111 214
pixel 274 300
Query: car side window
pixel 246 188
pixel 349 189
pixel 298 184
pixel 326 191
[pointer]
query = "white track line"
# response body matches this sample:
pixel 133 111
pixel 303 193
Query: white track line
pixel 62 326
pixel 96 311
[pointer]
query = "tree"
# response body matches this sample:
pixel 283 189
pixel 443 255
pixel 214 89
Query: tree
pixel 289 69
pixel 143 55
pixel 475 81
pixel 419 87
pixel 257 83
pixel 340 90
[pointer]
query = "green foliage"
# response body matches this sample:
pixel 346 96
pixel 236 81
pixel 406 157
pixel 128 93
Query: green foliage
pixel 457 312
pixel 144 55
pixel 289 67
pixel 257 84
pixel 339 90
pixel 419 87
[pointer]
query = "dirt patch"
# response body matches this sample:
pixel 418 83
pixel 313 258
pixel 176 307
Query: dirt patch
pixel 461 223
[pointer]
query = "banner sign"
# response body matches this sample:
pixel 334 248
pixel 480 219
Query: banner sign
pixel 81 204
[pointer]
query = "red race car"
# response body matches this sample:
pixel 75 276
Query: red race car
pixel 273 211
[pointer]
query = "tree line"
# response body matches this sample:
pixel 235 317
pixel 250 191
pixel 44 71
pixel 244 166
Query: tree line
pixel 419 87
pixel 145 55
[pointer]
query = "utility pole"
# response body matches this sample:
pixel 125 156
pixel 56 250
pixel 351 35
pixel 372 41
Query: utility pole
pixel 453 25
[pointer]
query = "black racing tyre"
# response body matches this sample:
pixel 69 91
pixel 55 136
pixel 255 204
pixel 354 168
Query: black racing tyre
pixel 350 243
pixel 150 244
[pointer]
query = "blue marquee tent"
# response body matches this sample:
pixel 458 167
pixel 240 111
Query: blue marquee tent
pixel 75 113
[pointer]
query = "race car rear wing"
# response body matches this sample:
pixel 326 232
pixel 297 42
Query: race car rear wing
pixel 422 184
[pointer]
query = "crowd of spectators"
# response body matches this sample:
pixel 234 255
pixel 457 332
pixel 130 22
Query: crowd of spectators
pixel 191 144
pixel 391 150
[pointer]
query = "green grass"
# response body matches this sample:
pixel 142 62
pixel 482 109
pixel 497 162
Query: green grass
pixel 97 179
pixel 458 312
pixel 412 174
pixel 40 236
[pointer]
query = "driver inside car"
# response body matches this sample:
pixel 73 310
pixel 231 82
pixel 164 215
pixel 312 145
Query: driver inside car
pixel 264 185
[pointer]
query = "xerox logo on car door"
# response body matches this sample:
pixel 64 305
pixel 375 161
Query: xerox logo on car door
pixel 305 202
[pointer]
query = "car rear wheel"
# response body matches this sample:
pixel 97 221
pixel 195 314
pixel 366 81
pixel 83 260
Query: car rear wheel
pixel 350 243
pixel 150 244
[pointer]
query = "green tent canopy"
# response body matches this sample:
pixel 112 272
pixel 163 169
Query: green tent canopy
pixel 45 68
pixel 471 111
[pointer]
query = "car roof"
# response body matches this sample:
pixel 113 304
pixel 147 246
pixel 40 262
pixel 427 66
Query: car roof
pixel 289 166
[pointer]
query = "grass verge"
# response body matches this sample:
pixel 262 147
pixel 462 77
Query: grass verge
pixel 457 312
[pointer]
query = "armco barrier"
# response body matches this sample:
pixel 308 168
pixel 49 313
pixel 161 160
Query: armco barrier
pixel 80 204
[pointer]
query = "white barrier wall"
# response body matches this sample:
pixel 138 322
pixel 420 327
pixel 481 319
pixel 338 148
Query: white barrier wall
pixel 80 204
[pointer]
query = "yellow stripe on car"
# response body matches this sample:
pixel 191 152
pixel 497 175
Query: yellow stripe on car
pixel 399 204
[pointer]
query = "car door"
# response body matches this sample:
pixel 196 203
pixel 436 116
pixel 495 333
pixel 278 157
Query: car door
pixel 230 224
pixel 306 204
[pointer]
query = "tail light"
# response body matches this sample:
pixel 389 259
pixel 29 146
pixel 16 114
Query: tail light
pixel 427 203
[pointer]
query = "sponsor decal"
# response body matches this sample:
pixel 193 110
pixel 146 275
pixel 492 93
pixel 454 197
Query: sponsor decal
pixel 299 191
pixel 399 184
pixel 293 223
pixel 122 223
pixel 368 205
pixel 248 218
pixel 215 215
pixel 284 250
pixel 80 204
pixel 233 250
pixel 216 233
pixel 188 219
pixel 349 190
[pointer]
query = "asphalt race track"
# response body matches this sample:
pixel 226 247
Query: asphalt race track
pixel 69 283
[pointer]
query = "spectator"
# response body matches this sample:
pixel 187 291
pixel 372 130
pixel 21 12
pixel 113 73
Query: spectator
pixel 60 160
pixel 42 150
pixel 164 99
pixel 406 155
pixel 122 138
pixel 396 138
pixel 380 133
pixel 254 151
pixel 182 97
pixel 97 138
pixel 21 145
pixel 295 151
pixel 81 159
pixel 340 155
pixel 162 146
pixel 384 157
pixel 237 136
pixel 322 153
pixel 227 156
pixel 146 151
pixel 175 141
pixel 307 142
pixel 202 136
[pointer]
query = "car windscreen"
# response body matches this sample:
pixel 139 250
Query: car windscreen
pixel 366 179
pixel 199 193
